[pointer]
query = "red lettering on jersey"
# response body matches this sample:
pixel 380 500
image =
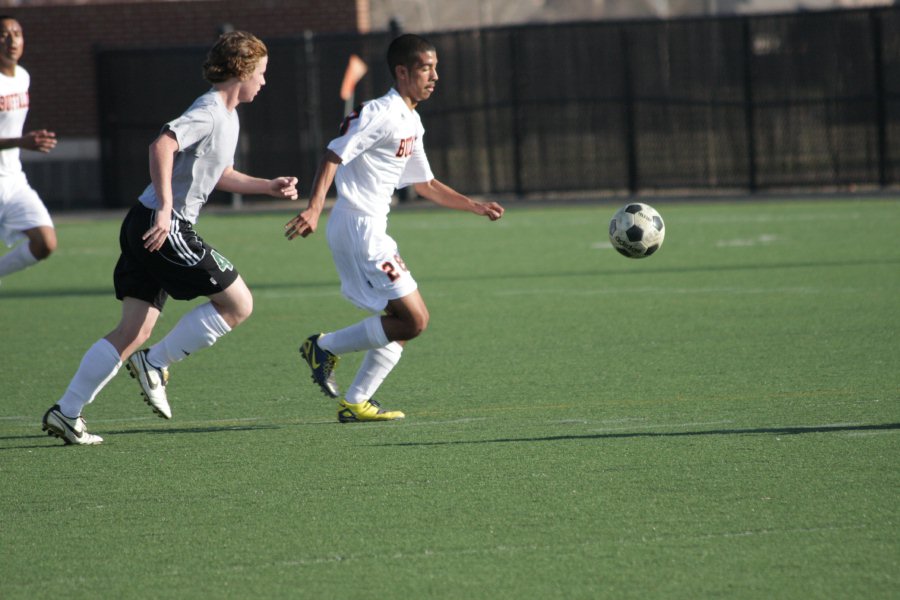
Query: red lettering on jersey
pixel 14 101
pixel 406 147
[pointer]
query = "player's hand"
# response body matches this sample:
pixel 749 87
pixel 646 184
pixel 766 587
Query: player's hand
pixel 302 225
pixel 40 140
pixel 283 187
pixel 156 236
pixel 491 210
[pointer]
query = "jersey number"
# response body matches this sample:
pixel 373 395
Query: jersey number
pixel 391 269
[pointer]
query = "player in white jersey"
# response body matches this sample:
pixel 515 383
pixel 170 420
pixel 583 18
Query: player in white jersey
pixel 23 217
pixel 163 256
pixel 379 149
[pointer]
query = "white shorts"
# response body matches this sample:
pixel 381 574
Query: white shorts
pixel 20 209
pixel 367 260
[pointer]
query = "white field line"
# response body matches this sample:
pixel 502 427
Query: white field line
pixel 743 218
pixel 31 418
pixel 661 290
pixel 660 426
pixel 760 240
pixel 464 420
pixel 451 225
pixel 763 239
pixel 630 424
pixel 287 293
pixel 868 433
pixel 557 548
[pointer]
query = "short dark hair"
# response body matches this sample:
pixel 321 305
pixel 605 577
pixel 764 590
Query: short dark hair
pixel 405 51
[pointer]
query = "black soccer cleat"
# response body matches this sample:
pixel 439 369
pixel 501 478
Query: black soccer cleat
pixel 322 363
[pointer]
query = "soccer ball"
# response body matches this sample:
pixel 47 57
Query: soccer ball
pixel 636 230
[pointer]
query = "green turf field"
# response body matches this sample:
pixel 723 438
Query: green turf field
pixel 721 420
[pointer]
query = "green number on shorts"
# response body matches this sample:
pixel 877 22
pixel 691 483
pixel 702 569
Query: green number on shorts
pixel 224 263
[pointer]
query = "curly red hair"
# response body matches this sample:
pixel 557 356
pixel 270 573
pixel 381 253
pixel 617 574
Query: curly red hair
pixel 235 54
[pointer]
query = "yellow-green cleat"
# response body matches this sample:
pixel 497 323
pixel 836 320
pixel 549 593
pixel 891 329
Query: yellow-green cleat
pixel 369 410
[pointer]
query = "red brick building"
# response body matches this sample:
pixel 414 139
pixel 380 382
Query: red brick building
pixel 61 40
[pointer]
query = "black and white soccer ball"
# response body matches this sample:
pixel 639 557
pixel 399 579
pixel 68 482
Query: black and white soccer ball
pixel 636 230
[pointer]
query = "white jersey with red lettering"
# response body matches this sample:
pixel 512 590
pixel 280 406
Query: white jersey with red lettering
pixel 13 110
pixel 381 150
pixel 21 208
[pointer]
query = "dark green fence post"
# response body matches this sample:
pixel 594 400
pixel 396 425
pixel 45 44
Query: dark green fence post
pixel 880 116
pixel 749 121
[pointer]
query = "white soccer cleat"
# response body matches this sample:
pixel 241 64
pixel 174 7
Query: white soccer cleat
pixel 152 381
pixel 71 431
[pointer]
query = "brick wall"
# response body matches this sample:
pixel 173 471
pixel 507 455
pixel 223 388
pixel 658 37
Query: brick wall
pixel 60 42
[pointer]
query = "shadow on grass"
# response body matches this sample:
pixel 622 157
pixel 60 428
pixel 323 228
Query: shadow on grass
pixel 664 434
pixel 493 276
pixel 655 270
pixel 175 430
pixel 11 294
pixel 212 429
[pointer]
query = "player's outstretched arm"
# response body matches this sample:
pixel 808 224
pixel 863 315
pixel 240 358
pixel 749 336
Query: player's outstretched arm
pixel 308 220
pixel 446 196
pixel 241 183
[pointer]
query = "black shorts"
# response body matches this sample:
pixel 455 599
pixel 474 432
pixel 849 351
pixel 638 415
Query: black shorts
pixel 185 267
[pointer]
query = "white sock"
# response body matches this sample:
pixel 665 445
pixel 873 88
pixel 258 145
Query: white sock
pixel 375 367
pixel 16 259
pixel 198 329
pixel 100 364
pixel 365 335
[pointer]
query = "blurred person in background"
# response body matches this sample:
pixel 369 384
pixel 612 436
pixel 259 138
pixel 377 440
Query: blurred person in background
pixel 23 216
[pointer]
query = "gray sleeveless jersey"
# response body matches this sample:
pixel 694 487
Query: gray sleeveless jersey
pixel 207 137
